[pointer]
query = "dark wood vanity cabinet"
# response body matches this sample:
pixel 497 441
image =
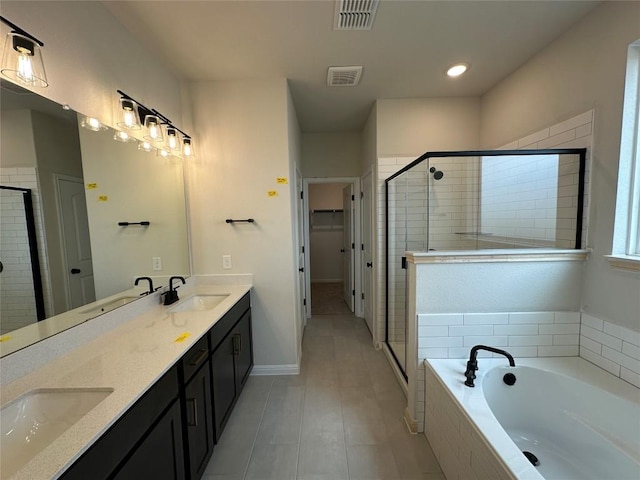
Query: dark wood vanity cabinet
pixel 170 433
pixel 231 363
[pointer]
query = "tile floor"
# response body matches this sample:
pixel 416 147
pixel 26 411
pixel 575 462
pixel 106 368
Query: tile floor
pixel 340 419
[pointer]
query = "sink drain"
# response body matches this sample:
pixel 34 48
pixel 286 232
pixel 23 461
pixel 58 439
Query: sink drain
pixel 532 458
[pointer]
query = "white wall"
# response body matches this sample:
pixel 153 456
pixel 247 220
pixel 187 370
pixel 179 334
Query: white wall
pixel 17 148
pixel 331 154
pixel 244 131
pixel 411 127
pixel 581 70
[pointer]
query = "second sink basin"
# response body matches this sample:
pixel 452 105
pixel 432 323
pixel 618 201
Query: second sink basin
pixel 107 306
pixel 31 422
pixel 198 303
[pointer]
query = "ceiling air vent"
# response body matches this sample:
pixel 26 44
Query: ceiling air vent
pixel 344 76
pixel 355 14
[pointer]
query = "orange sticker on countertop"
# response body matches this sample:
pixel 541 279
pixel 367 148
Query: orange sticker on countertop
pixel 103 198
pixel 182 337
pixel 4 338
pixel 92 186
pixel 282 180
pixel 272 193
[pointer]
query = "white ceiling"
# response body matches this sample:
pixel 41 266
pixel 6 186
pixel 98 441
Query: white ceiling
pixel 405 55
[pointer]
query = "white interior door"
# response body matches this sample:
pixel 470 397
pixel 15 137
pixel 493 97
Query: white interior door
pixel 348 246
pixel 367 249
pixel 76 244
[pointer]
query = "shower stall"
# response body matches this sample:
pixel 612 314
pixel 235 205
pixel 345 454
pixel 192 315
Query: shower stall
pixel 475 200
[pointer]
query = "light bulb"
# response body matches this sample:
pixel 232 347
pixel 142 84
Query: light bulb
pixel 153 128
pixel 93 124
pixel 146 146
pixel 25 67
pixel 123 137
pixel 187 149
pixel 457 70
pixel 129 115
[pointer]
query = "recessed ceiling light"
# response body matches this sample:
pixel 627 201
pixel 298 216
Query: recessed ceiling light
pixel 457 70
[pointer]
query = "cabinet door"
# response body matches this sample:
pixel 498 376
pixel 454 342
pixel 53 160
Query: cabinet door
pixel 160 455
pixel 223 383
pixel 243 350
pixel 199 421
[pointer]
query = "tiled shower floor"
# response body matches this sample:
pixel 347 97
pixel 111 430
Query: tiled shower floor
pixel 340 419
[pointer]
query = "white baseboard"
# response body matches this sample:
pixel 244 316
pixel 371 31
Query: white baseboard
pixel 291 369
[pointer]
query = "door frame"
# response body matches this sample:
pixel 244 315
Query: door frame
pixel 355 181
pixel 368 177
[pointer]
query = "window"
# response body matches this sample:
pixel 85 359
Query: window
pixel 626 234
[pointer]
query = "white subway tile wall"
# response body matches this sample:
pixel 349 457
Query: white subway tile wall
pixel 13 314
pixel 611 347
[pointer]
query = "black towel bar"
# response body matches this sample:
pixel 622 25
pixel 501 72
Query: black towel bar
pixel 126 224
pixel 231 220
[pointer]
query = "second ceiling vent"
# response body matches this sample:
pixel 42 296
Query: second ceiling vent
pixel 355 14
pixel 344 76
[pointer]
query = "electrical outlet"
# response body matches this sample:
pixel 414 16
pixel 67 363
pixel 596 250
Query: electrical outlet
pixel 226 262
pixel 157 263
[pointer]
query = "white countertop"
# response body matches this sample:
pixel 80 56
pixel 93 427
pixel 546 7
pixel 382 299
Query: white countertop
pixel 129 359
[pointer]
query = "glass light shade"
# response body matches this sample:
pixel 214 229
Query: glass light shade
pixel 152 128
pixel 22 61
pixel 187 147
pixel 146 146
pixel 93 124
pixel 129 114
pixel 163 152
pixel 123 137
pixel 172 142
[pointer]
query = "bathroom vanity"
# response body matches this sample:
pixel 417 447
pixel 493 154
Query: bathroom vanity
pixel 174 375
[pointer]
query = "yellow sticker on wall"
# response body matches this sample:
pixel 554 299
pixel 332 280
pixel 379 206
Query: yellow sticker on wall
pixel 103 198
pixel 182 337
pixel 4 338
pixel 272 193
pixel 282 180
pixel 92 186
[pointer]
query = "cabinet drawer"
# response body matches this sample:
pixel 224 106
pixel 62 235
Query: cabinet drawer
pixel 195 357
pixel 226 323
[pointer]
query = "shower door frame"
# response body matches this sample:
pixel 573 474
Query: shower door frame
pixel 581 152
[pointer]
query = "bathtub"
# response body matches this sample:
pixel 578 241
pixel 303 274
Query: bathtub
pixel 578 421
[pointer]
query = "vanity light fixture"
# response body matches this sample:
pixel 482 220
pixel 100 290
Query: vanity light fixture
pixel 130 115
pixel 457 70
pixel 22 57
pixel 93 124
pixel 123 137
pixel 152 128
pixel 155 124
pixel 173 140
pixel 187 147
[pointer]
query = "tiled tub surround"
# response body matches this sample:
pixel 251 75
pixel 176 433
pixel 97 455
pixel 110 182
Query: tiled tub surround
pixel 611 347
pixel 129 359
pixel 470 443
pixel 529 299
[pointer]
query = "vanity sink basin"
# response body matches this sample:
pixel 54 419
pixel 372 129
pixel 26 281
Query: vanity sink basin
pixel 33 421
pixel 107 306
pixel 198 303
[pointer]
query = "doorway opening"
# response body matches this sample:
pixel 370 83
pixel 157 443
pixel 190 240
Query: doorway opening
pixel 332 214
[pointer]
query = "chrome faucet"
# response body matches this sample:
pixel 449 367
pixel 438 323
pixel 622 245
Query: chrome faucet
pixel 171 295
pixel 151 289
pixel 472 364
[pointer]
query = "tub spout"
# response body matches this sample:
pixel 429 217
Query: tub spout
pixel 472 364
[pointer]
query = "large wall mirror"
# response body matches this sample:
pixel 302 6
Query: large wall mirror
pixel 82 186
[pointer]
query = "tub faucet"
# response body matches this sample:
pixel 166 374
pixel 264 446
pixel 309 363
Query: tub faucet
pixel 472 364
pixel 151 289
pixel 171 295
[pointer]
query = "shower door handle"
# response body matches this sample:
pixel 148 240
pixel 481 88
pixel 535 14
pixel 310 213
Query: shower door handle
pixel 369 264
pixel 74 271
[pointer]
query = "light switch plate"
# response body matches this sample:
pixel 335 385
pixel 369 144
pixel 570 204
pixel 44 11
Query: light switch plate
pixel 157 263
pixel 226 262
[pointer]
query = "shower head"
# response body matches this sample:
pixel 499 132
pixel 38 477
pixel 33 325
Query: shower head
pixel 437 174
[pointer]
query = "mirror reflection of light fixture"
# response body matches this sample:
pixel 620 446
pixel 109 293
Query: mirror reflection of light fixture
pixel 152 128
pixel 123 137
pixel 146 146
pixel 163 152
pixel 93 124
pixel 187 147
pixel 22 57
pixel 129 114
